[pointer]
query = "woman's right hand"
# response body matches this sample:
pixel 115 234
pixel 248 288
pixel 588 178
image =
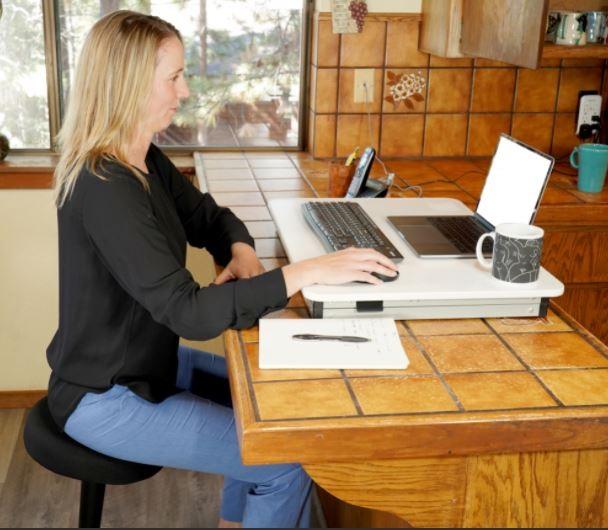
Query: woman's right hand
pixel 343 266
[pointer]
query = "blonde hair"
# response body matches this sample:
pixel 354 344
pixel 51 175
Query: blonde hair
pixel 111 88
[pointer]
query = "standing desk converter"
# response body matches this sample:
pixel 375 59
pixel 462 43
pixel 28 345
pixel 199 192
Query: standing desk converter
pixel 426 288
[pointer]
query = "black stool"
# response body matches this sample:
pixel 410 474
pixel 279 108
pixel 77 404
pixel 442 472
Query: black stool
pixel 57 452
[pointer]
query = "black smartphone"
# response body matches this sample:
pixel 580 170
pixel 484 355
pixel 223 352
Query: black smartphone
pixel 364 167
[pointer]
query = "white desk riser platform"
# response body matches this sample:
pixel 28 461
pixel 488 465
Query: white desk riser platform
pixel 426 288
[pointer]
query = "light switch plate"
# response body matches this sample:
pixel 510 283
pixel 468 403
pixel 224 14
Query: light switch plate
pixel 364 76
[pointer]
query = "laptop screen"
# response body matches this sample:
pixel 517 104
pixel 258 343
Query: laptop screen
pixel 514 184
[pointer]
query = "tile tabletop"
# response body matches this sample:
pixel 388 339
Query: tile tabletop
pixel 472 386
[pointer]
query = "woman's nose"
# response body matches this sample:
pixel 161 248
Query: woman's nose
pixel 183 90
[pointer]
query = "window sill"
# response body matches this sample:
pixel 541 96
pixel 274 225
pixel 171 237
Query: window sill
pixel 35 171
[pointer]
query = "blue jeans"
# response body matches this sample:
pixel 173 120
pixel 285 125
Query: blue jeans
pixel 189 432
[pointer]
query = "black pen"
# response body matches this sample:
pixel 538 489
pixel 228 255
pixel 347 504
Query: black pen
pixel 340 338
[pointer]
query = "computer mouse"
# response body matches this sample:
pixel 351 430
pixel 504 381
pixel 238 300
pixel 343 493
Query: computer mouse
pixel 385 278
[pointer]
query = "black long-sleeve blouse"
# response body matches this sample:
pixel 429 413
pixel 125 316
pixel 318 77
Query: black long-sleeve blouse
pixel 125 296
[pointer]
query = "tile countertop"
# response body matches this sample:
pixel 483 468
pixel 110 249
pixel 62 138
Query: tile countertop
pixel 539 385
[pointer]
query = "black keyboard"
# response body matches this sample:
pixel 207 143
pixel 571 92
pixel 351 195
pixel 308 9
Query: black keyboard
pixel 341 225
pixel 463 232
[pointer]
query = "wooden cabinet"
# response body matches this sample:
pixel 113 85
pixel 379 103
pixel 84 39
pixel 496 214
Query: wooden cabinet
pixel 512 32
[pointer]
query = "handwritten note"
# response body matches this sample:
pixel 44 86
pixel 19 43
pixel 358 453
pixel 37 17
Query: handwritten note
pixel 278 348
pixel 342 21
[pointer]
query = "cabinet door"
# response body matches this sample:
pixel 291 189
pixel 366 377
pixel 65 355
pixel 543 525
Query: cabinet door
pixel 511 31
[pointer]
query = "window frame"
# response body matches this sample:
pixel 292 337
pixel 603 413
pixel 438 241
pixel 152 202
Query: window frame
pixel 53 77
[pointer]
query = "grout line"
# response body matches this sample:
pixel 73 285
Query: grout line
pixel 353 396
pixel 428 358
pixel 245 359
pixel 524 363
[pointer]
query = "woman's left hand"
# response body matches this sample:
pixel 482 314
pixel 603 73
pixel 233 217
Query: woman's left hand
pixel 244 264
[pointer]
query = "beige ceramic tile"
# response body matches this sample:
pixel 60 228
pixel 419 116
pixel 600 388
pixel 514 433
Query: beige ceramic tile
pixel 269 248
pixel 457 326
pixel 353 131
pixel 228 174
pixel 324 136
pixel 247 198
pixel 572 81
pixel 493 89
pixel 283 184
pixel 251 213
pixel 529 325
pixel 577 387
pixel 326 90
pixel 484 131
pixel 555 350
pixel 513 390
pixel 259 229
pixel 445 135
pixel 276 173
pixel 326 44
pixel 215 186
pixel 418 363
pixel 364 49
pixel 258 374
pixel 402 135
pixel 449 89
pixel 469 353
pixel 225 163
pixel 402 45
pixel 534 129
pixel 270 162
pixel 536 90
pixel 395 395
pixel 564 134
pixel 304 399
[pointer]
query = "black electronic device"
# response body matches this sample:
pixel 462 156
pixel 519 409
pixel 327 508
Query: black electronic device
pixel 361 185
pixel 341 225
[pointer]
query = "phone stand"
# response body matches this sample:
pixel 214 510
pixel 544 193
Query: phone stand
pixel 374 189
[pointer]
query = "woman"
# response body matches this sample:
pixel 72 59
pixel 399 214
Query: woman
pixel 120 382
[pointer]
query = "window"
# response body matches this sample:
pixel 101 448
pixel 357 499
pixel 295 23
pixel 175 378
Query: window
pixel 24 114
pixel 243 65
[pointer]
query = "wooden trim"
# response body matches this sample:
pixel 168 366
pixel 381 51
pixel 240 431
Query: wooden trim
pixel 378 17
pixel 26 180
pixel 20 399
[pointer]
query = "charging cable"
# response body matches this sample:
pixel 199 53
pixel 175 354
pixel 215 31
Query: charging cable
pixel 389 180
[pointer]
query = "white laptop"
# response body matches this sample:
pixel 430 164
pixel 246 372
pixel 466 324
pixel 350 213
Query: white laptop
pixel 512 193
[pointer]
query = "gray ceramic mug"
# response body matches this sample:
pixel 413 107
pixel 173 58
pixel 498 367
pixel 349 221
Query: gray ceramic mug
pixel 516 254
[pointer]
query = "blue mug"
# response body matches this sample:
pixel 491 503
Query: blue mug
pixel 591 160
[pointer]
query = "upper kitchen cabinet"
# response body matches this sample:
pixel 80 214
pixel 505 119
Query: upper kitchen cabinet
pixel 509 31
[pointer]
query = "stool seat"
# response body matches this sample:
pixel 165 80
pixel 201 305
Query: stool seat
pixel 56 451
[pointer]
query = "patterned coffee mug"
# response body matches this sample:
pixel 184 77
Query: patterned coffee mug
pixel 516 254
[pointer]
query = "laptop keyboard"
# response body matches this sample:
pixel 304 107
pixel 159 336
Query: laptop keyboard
pixel 341 225
pixel 463 232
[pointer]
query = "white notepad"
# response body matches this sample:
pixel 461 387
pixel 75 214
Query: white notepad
pixel 279 350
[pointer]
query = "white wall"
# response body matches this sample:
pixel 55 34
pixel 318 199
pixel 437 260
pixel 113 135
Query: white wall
pixel 380 6
pixel 29 287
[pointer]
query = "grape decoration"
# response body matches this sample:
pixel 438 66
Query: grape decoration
pixel 358 11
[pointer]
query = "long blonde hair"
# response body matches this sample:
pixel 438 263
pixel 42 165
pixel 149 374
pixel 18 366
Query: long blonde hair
pixel 111 88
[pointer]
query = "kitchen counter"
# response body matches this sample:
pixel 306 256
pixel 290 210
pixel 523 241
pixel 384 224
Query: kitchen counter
pixel 496 422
